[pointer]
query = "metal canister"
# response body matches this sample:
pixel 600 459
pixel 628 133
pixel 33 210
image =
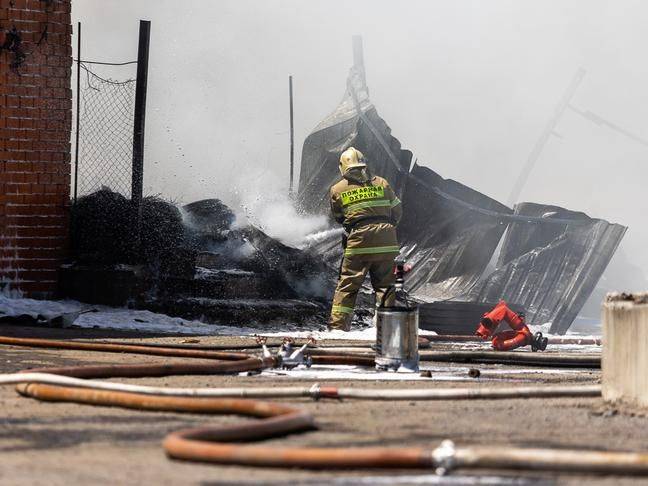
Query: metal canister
pixel 397 339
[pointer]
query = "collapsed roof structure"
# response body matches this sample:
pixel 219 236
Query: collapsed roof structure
pixel 550 258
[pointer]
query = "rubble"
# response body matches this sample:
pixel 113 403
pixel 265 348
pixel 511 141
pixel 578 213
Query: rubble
pixel 193 263
pixel 101 229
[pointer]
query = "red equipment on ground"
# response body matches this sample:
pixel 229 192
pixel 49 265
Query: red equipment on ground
pixel 507 340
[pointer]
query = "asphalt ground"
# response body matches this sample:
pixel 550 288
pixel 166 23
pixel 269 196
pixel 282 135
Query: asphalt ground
pixel 66 443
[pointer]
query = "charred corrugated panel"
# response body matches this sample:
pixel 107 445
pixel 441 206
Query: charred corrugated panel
pixel 551 259
pixel 354 123
pixel 449 233
pixel 551 268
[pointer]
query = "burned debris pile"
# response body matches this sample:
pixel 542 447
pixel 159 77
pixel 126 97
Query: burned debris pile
pixel 550 258
pixel 97 219
pixel 102 230
pixel 192 262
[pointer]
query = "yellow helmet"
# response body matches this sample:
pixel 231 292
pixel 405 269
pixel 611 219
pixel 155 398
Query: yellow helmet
pixel 351 158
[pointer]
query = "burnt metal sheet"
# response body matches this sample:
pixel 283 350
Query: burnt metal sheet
pixel 457 317
pixel 445 237
pixel 551 257
pixel 355 122
pixel 551 269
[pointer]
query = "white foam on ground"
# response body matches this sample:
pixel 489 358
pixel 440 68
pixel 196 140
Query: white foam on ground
pixel 34 308
pixel 366 334
pixel 357 373
pixel 543 328
pixel 552 347
pixel 120 318
pixel 114 317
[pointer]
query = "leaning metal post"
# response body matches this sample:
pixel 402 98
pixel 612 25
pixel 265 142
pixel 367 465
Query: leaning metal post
pixel 138 130
pixel 292 135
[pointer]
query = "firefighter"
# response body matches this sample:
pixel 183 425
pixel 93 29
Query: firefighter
pixel 508 340
pixel 369 211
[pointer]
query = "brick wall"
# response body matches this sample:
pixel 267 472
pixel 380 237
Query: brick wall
pixel 35 125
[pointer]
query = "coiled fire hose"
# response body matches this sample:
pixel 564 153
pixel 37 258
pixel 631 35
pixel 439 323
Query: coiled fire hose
pixel 216 444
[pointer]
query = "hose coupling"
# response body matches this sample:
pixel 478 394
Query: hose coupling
pixel 261 341
pixel 314 391
pixel 289 358
pixel 443 457
pixel 317 391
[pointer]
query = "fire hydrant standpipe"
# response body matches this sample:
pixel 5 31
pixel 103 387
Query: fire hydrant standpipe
pixel 213 444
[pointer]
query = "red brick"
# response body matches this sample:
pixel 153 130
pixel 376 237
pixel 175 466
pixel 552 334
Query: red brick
pixel 41 198
pixel 12 123
pixel 17 188
pixel 12 101
pixel 27 123
pixel 35 126
pixel 19 145
pixel 32 209
pixel 39 242
pixel 37 231
pixel 31 253
pixel 13 178
pixel 18 166
pixel 33 220
pixel 44 289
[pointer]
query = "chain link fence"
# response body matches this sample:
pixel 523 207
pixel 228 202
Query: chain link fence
pixel 105 133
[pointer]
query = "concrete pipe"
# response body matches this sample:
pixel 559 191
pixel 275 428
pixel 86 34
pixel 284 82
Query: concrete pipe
pixel 625 354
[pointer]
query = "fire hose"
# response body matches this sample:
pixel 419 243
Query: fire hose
pixel 561 360
pixel 69 377
pixel 437 338
pixel 320 355
pixel 214 444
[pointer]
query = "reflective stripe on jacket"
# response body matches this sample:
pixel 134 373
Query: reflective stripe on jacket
pixel 353 201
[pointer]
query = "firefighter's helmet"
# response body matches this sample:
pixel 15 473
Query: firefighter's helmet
pixel 350 159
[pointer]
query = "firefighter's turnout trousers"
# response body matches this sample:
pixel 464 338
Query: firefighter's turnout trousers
pixel 369 212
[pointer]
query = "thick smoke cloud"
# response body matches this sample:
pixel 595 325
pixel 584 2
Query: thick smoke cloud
pixel 467 85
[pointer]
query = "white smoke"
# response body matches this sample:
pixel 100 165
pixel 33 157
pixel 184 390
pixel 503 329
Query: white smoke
pixel 269 208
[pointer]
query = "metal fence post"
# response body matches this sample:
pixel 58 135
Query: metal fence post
pixel 78 111
pixel 138 129
pixel 73 225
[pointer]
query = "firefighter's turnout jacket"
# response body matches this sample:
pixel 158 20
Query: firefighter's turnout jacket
pixel 369 211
